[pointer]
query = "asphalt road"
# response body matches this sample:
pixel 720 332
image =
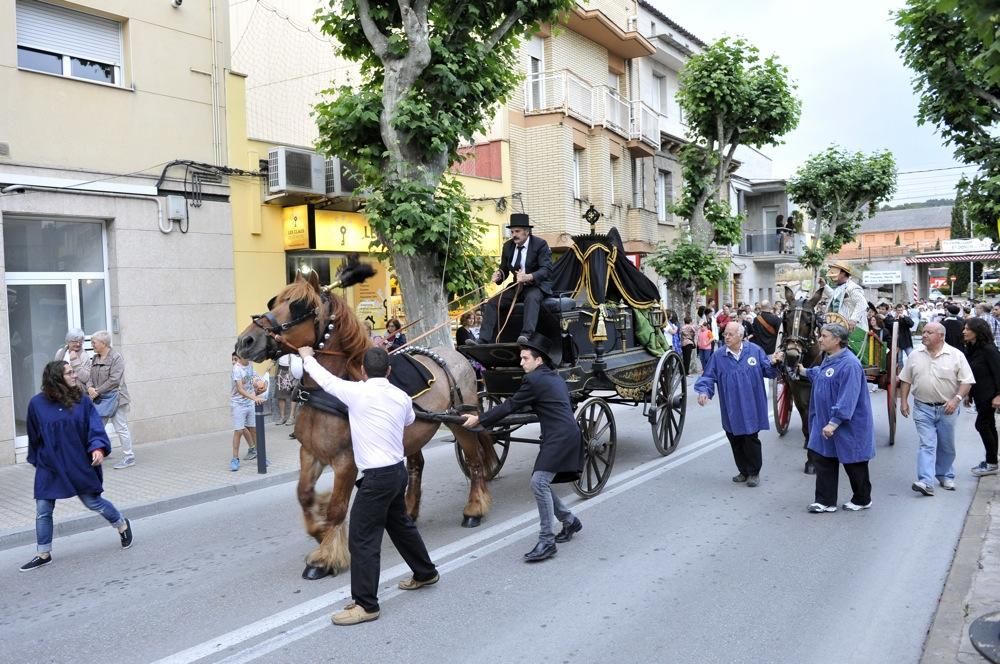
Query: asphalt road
pixel 675 564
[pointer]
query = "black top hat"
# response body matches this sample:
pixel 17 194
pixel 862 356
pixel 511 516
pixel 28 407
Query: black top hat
pixel 539 344
pixel 519 220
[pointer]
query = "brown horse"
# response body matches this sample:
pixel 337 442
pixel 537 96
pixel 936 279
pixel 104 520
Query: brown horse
pixel 304 315
pixel 800 347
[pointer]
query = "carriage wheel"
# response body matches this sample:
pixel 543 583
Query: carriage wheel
pixel 501 439
pixel 781 403
pixel 668 403
pixel 890 388
pixel 600 440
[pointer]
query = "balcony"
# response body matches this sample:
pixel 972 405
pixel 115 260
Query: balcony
pixel 564 92
pixel 764 246
pixel 853 252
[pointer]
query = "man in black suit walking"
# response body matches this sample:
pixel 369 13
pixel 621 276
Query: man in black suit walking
pixel 560 455
pixel 529 260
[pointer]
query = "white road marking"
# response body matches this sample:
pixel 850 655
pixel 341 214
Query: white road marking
pixel 617 485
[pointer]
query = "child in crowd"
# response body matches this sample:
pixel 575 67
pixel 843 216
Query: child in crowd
pixel 241 407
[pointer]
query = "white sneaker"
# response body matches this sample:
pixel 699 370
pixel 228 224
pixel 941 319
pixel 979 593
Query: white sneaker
pixel 819 508
pixel 947 484
pixel 854 508
pixel 126 462
pixel 984 469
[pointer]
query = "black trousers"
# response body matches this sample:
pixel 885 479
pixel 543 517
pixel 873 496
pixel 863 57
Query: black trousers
pixel 687 352
pixel 986 425
pixel 828 473
pixel 746 453
pixel 380 505
pixel 498 306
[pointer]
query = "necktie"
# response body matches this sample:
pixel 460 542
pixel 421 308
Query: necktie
pixel 517 259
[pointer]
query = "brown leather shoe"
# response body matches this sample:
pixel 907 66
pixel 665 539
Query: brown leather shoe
pixel 412 583
pixel 354 614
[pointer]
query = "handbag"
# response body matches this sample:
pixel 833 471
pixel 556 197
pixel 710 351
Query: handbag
pixel 107 404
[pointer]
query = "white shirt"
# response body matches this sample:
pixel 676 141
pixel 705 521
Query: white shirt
pixel 735 354
pixel 935 379
pixel 379 412
pixel 524 254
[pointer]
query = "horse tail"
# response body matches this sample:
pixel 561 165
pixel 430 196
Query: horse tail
pixel 491 462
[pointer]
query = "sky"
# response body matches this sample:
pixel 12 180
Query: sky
pixel 854 88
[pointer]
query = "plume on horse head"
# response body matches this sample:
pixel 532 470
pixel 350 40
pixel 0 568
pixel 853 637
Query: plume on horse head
pixel 352 272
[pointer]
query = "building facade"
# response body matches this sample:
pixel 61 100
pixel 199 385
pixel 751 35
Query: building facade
pixel 114 211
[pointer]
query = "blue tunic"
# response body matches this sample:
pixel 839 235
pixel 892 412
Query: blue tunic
pixel 840 396
pixel 60 441
pixel 742 398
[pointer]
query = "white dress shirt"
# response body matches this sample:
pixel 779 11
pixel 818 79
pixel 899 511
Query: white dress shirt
pixel 379 411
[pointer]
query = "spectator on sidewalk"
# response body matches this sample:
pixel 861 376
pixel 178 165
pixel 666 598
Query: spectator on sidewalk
pixel 286 382
pixel 242 399
pixel 841 428
pixel 394 337
pixel 106 380
pixel 941 379
pixel 74 353
pixel 378 413
pixel 984 359
pixel 739 370
pixel 688 335
pixel 705 342
pixel 66 445
pixel 904 338
pixel 764 329
pixel 953 326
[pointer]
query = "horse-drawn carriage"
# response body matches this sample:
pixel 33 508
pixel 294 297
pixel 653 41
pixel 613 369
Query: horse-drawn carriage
pixel 605 333
pixel 799 333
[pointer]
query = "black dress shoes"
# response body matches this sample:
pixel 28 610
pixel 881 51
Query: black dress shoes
pixel 523 339
pixel 567 532
pixel 542 551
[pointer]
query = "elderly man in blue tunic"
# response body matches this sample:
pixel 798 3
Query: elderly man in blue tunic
pixel 738 369
pixel 841 430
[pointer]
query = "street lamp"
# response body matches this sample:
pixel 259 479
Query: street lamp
pixel 952 279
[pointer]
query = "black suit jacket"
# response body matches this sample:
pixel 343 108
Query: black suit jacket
pixel 545 392
pixel 538 262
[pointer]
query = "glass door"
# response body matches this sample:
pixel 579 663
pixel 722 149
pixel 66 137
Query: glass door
pixel 40 312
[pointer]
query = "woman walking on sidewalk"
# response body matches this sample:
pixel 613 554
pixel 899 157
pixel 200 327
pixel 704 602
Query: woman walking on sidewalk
pixel 66 445
pixel 984 359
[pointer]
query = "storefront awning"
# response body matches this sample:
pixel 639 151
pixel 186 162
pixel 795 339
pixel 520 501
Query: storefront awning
pixel 953 258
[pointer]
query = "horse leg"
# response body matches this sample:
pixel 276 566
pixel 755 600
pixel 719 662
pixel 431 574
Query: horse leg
pixel 415 470
pixel 802 405
pixel 479 501
pixel 309 471
pixel 333 555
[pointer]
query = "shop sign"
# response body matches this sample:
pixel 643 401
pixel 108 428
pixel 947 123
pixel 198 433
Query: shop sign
pixel 296 227
pixel 881 277
pixel 968 244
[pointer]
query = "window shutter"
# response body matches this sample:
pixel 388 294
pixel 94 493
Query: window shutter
pixel 67 32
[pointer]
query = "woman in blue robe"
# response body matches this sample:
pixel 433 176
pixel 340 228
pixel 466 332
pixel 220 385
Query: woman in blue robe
pixel 66 445
pixel 841 429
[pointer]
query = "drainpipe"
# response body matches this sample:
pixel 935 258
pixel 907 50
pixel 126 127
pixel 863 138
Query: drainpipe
pixel 220 159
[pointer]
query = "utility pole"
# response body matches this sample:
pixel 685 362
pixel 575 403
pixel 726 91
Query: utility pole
pixel 972 285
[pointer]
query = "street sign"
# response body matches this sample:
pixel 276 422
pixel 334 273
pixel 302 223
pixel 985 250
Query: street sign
pixel 967 244
pixel 881 277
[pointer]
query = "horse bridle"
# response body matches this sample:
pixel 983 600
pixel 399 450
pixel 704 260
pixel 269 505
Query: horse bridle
pixel 795 336
pixel 274 329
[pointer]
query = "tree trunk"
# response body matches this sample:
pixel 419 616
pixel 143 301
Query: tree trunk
pixel 425 299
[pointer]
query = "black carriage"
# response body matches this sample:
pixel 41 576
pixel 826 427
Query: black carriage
pixel 606 333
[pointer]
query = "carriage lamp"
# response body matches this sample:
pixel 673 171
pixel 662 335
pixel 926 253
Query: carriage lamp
pixel 621 321
pixel 657 317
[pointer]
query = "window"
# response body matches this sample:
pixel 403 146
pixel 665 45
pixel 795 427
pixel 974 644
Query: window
pixel 577 173
pixel 61 41
pixel 638 187
pixel 664 193
pixel 659 94
pixel 536 95
pixel 612 180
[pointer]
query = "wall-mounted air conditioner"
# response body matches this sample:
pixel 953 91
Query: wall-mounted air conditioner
pixel 295 171
pixel 339 178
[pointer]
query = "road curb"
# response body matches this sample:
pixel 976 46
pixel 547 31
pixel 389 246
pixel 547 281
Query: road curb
pixel 948 629
pixel 13 538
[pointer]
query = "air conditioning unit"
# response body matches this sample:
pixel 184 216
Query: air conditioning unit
pixel 339 178
pixel 295 171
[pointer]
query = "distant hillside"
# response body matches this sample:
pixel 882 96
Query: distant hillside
pixel 933 202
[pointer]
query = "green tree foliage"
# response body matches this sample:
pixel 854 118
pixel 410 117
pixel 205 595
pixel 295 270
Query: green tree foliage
pixel 730 97
pixel 432 73
pixel 954 49
pixel 687 266
pixel 838 190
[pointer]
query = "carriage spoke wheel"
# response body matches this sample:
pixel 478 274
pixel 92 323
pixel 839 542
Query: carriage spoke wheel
pixel 892 383
pixel 781 402
pixel 668 402
pixel 600 441
pixel 501 439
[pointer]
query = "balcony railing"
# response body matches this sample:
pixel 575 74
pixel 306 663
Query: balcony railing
pixel 564 92
pixel 853 252
pixel 757 244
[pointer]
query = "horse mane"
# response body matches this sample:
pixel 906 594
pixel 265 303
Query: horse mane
pixel 351 336
pixel 300 291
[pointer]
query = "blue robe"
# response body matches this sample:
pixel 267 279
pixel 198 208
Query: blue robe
pixel 60 441
pixel 840 396
pixel 742 398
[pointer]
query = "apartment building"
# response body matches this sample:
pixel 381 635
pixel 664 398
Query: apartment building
pixel 114 211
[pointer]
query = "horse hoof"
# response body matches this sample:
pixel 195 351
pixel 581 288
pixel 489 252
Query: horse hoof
pixel 471 521
pixel 311 573
pixel 810 468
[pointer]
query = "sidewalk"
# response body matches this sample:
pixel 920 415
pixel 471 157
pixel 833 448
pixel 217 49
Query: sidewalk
pixel 973 584
pixel 168 475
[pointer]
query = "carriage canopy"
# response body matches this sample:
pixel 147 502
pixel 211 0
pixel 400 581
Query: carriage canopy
pixel 597 269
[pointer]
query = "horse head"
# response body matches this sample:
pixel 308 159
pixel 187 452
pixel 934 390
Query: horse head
pixel 799 326
pixel 290 322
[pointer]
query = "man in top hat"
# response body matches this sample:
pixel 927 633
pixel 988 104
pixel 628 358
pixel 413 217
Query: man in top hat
pixel 560 454
pixel 846 298
pixel 529 260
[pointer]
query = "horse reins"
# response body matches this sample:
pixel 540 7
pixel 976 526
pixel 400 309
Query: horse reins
pixel 274 329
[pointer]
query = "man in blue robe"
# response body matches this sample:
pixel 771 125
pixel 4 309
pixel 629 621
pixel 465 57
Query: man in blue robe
pixel 739 370
pixel 841 429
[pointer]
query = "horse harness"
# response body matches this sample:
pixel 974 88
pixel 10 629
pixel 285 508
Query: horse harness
pixel 275 329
